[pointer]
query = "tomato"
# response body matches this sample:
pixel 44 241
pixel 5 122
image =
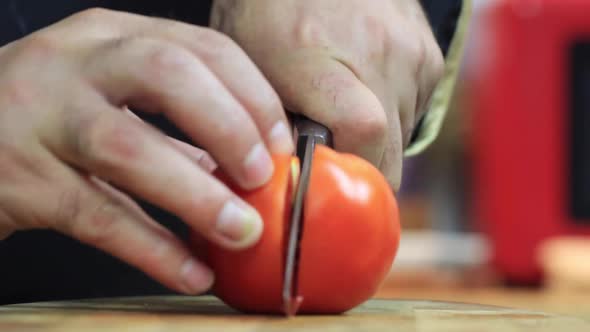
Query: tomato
pixel 349 239
pixel 351 233
pixel 251 279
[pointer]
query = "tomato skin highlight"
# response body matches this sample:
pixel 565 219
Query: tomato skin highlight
pixel 350 235
pixel 251 280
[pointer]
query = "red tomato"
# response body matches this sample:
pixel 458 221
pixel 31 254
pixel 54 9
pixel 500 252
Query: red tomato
pixel 350 234
pixel 251 280
pixel 350 238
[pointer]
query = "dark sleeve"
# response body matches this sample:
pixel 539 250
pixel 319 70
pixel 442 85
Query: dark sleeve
pixel 18 19
pixel 190 11
pixel 443 16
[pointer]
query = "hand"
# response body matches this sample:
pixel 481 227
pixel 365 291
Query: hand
pixel 366 69
pixel 70 152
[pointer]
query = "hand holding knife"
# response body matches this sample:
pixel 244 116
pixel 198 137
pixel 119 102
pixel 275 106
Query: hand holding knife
pixel 316 264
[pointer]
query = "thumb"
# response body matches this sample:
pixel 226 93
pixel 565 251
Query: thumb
pixel 325 90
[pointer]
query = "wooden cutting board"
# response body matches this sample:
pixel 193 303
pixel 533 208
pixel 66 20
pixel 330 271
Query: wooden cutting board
pixel 180 313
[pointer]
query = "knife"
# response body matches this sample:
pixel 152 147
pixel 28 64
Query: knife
pixel 309 134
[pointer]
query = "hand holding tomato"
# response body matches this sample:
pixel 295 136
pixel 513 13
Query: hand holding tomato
pixel 350 236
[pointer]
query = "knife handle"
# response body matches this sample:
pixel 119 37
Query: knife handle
pixel 307 127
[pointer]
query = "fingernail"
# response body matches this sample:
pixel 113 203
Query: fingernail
pixel 239 223
pixel 258 165
pixel 281 139
pixel 196 278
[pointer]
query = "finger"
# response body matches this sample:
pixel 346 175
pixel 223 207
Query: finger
pixel 110 224
pixel 161 77
pixel 220 54
pixel 95 214
pixel 238 73
pixel 102 140
pixel 199 156
pixel 327 91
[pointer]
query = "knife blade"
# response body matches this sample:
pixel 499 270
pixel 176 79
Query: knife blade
pixel 309 133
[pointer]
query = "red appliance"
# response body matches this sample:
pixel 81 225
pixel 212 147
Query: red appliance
pixel 531 128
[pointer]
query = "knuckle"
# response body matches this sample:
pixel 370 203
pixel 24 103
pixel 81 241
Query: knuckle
pixel 409 46
pixel 94 14
pixel 123 144
pixel 38 46
pixel 19 92
pixel 100 224
pixel 229 131
pixel 163 59
pixel 368 127
pixel 68 209
pixel 156 61
pixel 161 251
pixel 308 33
pixel 77 134
pixel 92 222
pixel 372 128
pixel 110 145
pixel 152 63
pixel 103 142
pixel 215 45
pixel 381 35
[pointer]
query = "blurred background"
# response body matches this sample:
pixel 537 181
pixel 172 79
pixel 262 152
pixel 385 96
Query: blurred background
pixel 497 210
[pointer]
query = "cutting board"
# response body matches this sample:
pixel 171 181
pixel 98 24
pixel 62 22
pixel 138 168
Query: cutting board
pixel 206 313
